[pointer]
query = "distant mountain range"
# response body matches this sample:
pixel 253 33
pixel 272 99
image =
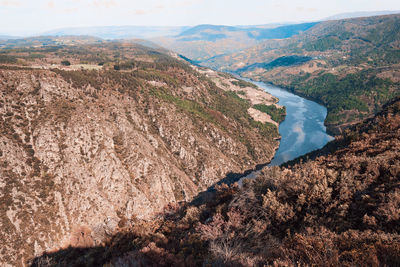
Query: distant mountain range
pixel 6 37
pixel 352 66
pixel 206 41
pixel 361 14
pixel 120 32
pixel 213 32
pixel 42 41
pixel 199 32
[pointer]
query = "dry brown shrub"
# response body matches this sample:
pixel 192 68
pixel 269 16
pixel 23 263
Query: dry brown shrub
pixel 213 229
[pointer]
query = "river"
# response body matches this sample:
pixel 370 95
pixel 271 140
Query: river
pixel 303 129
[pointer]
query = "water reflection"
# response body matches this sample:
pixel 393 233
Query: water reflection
pixel 303 129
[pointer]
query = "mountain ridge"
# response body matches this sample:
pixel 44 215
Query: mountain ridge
pixel 354 68
pixel 350 15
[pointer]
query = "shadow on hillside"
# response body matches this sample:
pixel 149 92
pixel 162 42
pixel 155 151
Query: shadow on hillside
pixel 93 256
pixel 229 179
pixel 122 242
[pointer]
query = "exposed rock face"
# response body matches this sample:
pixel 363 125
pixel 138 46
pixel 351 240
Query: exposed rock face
pixel 338 206
pixel 95 155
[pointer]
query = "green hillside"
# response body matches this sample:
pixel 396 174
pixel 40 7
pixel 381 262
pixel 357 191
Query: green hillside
pixel 353 66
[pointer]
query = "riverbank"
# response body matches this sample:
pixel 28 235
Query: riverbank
pixel 331 129
pixel 302 132
pixel 303 129
pixel 247 91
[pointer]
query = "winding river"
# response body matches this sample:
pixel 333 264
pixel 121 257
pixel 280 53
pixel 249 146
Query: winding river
pixel 303 129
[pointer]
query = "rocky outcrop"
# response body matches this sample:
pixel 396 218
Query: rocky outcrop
pixel 338 206
pixel 83 153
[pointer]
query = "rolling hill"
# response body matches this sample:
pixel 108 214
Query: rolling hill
pixel 350 15
pixel 119 32
pixel 203 42
pixel 41 41
pixel 353 66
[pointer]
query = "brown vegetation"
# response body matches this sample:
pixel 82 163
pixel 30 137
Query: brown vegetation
pixel 338 206
pixel 102 148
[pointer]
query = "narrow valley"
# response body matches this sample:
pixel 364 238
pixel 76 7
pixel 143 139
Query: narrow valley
pixel 247 141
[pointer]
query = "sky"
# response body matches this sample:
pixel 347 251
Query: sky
pixel 28 17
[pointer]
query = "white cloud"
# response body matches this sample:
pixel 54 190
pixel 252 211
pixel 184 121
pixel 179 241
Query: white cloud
pixel 300 134
pixel 104 3
pixel 36 15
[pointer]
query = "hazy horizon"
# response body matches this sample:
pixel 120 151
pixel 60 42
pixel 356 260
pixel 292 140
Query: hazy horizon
pixel 22 17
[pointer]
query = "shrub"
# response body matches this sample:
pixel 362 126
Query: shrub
pixel 65 63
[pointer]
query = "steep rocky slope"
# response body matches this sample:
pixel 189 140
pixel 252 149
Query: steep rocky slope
pixel 108 134
pixel 340 207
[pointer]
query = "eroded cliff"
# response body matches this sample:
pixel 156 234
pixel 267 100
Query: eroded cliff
pixel 84 152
